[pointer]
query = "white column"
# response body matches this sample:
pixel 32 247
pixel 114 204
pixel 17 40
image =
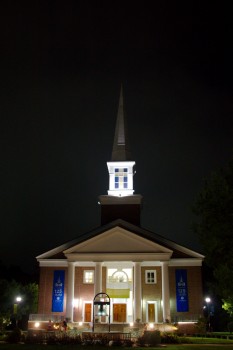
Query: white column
pixel 165 291
pixel 98 278
pixel 137 292
pixel 70 291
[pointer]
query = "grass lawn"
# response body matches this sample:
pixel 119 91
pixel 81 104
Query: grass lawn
pixel 195 340
pixel 226 346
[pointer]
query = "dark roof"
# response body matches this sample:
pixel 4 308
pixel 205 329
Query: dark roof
pixel 179 251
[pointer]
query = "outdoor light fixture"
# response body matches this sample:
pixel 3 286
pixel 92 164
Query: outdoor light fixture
pixel 101 307
pixel 18 299
pixel 101 310
pixel 208 301
pixel 151 325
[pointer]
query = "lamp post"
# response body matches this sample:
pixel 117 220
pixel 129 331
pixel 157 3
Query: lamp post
pixel 18 300
pixel 208 301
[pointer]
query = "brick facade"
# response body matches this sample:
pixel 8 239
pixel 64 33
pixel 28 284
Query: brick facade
pixel 46 289
pixel 195 293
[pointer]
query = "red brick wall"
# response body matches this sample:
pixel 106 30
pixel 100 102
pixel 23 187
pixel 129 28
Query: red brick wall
pixel 82 291
pixel 195 293
pixel 46 290
pixel 152 292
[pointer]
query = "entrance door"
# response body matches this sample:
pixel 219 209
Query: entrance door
pixel 119 312
pixel 87 312
pixel 151 312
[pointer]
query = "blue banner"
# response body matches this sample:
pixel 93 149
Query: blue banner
pixel 182 304
pixel 58 291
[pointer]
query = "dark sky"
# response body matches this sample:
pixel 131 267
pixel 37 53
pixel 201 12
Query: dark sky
pixel 62 64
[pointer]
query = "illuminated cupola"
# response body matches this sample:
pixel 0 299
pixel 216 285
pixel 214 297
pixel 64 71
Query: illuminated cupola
pixel 120 203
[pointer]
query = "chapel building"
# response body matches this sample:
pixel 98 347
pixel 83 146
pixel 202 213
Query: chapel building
pixel 147 277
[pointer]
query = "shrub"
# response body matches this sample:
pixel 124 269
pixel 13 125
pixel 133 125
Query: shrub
pixel 201 325
pixel 169 338
pixel 14 336
pixel 230 327
pixel 149 338
pixel 184 340
pixel 128 343
pixel 34 337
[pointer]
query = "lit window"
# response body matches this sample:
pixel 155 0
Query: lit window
pixel 121 178
pixel 88 276
pixel 150 276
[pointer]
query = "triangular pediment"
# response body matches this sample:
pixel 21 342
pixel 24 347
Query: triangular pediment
pixel 117 240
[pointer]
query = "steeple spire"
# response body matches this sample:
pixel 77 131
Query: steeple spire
pixel 120 151
pixel 120 202
pixel 120 167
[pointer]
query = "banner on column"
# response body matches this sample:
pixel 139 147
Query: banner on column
pixel 182 304
pixel 58 291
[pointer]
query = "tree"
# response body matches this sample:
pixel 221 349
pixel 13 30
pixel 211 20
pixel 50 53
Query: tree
pixel 9 290
pixel 214 208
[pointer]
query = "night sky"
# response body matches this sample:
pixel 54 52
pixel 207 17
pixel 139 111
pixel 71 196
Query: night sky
pixel 61 66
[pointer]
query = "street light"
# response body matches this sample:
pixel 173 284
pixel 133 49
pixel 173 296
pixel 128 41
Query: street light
pixel 208 301
pixel 18 300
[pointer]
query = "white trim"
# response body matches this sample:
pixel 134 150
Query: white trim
pixel 99 257
pixel 120 264
pixel 121 164
pixel 85 263
pixel 150 263
pixel 53 263
pixel 64 263
pixel 185 262
pixel 112 262
pixel 146 276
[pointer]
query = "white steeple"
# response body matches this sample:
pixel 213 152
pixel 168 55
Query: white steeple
pixel 120 167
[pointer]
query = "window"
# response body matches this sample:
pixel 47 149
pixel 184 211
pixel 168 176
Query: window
pixel 121 178
pixel 150 277
pixel 88 276
pixel 118 275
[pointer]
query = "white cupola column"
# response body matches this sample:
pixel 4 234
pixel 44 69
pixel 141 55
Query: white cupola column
pixel 137 292
pixel 165 292
pixel 70 291
pixel 98 278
